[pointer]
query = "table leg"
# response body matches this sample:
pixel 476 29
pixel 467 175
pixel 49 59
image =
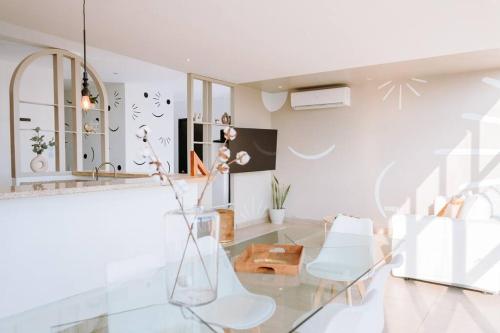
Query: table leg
pixel 319 293
pixel 348 295
pixel 361 288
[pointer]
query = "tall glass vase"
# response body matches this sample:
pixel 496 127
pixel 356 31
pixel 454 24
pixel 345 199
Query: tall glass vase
pixel 192 256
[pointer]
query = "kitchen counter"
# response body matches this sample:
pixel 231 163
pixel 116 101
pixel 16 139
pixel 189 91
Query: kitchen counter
pixel 126 181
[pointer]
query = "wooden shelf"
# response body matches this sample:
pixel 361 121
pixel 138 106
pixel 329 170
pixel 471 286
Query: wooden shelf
pixel 209 123
pixel 54 105
pixel 54 131
pixel 202 143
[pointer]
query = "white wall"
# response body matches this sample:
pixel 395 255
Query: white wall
pixel 390 158
pixel 155 111
pixel 54 247
pixel 250 192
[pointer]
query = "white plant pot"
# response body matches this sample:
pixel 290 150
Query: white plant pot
pixel 277 216
pixel 39 164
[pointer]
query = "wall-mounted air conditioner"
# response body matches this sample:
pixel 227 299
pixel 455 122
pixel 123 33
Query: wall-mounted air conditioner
pixel 321 98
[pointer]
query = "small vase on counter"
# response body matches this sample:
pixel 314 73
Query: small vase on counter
pixel 39 163
pixel 277 216
pixel 280 192
pixel 39 145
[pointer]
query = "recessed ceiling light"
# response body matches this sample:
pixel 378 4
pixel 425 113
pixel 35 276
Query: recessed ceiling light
pixel 280 87
pixel 188 60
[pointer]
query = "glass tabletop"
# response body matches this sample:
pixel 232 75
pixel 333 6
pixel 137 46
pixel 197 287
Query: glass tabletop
pixel 330 264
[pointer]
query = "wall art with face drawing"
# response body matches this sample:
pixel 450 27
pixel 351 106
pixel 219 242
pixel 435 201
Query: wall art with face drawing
pixel 149 105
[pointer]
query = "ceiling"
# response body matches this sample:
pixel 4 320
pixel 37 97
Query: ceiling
pixel 246 41
pixel 422 68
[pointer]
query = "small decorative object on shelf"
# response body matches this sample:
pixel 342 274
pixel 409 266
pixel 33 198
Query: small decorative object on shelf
pixel 192 253
pixel 277 213
pixel 39 163
pixel 88 128
pixel 217 121
pixel 226 119
pixel 197 118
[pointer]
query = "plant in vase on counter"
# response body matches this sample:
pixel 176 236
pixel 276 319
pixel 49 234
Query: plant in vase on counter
pixel 193 232
pixel 280 192
pixel 39 145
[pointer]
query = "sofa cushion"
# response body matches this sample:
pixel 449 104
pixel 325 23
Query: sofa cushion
pixel 475 207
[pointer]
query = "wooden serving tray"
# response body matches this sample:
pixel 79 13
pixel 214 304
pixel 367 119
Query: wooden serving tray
pixel 272 259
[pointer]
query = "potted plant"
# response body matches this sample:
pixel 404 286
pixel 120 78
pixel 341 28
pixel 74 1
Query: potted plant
pixel 280 192
pixel 39 163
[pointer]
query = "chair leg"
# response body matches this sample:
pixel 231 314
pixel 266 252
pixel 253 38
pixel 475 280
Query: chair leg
pixel 361 289
pixel 333 289
pixel 348 296
pixel 319 293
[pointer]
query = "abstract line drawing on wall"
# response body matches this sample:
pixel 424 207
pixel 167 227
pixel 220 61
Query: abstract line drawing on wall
pixel 312 156
pixel 481 118
pixel 114 129
pixel 135 112
pixel 157 99
pixel 273 101
pixel 85 156
pixel 116 99
pixel 378 185
pixel 157 115
pixel 139 163
pixel 491 81
pixel 164 141
pixel 391 87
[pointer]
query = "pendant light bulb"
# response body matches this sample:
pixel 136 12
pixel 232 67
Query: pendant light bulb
pixel 86 103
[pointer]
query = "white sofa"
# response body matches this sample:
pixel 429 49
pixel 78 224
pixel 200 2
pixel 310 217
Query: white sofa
pixel 463 253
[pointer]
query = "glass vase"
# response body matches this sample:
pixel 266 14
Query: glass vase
pixel 192 257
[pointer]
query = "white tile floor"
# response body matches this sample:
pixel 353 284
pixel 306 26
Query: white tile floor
pixel 414 306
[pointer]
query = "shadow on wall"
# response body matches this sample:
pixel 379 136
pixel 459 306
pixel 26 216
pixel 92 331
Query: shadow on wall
pixel 394 152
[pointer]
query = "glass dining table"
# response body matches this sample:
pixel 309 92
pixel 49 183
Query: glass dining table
pixel 332 264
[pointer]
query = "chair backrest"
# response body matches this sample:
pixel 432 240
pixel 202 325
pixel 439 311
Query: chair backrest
pixel 228 280
pixel 352 225
pixel 367 317
pixel 357 318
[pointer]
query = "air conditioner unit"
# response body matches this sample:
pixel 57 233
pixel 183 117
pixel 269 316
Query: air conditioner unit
pixel 321 99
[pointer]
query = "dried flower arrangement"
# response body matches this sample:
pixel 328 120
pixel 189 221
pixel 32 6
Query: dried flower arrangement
pixel 221 165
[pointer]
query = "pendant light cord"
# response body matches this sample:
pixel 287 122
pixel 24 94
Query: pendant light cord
pixel 84 42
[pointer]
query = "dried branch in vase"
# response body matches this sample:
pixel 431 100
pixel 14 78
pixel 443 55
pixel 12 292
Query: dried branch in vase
pixel 221 164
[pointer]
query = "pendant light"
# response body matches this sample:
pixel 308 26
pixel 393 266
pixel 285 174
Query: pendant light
pixel 86 102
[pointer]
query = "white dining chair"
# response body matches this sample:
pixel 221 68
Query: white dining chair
pixel 368 317
pixel 346 254
pixel 235 307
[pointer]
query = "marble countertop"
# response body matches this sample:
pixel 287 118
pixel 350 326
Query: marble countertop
pixel 38 189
